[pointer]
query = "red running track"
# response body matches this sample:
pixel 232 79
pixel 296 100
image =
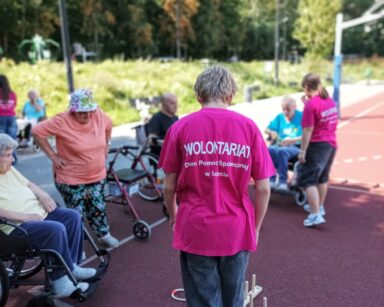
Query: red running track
pixel 337 264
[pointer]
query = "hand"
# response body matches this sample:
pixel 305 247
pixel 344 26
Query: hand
pixel 48 203
pixel 304 99
pixel 32 217
pixel 58 162
pixel 287 142
pixel 301 156
pixel 273 135
pixel 172 222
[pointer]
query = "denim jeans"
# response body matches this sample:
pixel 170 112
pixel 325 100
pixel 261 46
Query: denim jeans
pixel 214 281
pixel 280 156
pixel 8 125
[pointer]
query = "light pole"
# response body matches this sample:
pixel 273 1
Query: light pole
pixel 277 38
pixel 178 44
pixel 66 45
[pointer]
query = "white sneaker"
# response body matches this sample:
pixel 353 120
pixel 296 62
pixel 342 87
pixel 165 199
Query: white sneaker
pixel 83 273
pixel 64 287
pixel 313 219
pixel 307 208
pixel 283 187
pixel 109 241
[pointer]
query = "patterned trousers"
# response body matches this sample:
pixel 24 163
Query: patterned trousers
pixel 88 200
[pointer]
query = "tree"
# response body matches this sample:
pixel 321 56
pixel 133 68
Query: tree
pixel 315 26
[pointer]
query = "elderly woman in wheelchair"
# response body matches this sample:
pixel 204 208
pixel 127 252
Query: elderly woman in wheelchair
pixel 48 227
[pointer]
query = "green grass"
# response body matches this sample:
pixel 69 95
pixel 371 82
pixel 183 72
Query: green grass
pixel 115 82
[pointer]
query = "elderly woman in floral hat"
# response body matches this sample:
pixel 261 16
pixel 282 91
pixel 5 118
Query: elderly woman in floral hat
pixel 82 135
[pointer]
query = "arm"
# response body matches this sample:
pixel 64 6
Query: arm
pixel 46 147
pixel 170 197
pixel 307 133
pixel 262 194
pixel 18 217
pixel 290 141
pixel 45 199
pixel 271 134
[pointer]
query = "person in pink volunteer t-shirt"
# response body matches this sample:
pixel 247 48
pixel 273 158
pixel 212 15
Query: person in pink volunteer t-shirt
pixel 318 147
pixel 82 134
pixel 209 157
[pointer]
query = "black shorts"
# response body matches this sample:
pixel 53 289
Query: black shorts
pixel 315 170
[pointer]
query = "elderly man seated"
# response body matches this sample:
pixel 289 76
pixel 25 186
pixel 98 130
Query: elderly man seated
pixel 49 227
pixel 284 132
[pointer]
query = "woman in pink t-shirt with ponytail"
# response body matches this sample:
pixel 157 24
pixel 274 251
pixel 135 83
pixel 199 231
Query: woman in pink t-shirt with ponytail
pixel 8 101
pixel 318 147
pixel 209 157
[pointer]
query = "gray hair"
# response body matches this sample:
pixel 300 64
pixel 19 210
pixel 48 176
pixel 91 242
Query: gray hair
pixel 6 143
pixel 215 84
pixel 289 100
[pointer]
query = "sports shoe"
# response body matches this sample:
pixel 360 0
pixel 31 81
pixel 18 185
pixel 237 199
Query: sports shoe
pixel 83 273
pixel 109 241
pixel 64 287
pixel 313 219
pixel 307 208
pixel 283 188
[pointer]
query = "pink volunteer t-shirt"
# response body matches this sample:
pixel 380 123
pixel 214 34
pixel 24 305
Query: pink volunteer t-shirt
pixel 215 152
pixel 8 107
pixel 82 146
pixel 322 115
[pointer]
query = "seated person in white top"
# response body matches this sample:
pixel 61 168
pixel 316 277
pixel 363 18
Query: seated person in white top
pixel 48 226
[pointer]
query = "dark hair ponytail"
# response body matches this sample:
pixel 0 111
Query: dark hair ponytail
pixel 313 83
pixel 4 88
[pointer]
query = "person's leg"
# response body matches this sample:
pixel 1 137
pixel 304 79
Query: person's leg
pixel 72 221
pixel 73 196
pixel 49 235
pixel 284 154
pixel 313 198
pixel 323 180
pixel 201 280
pixel 232 273
pixel 27 131
pixel 11 130
pixel 273 153
pixel 95 209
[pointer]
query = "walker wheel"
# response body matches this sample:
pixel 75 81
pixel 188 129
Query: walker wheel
pixel 141 230
pixel 300 197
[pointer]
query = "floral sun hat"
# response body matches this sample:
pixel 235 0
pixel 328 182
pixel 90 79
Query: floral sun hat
pixel 82 101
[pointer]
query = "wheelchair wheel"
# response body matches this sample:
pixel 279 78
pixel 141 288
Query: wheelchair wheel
pixel 4 285
pixel 141 230
pixel 300 197
pixel 147 190
pixel 30 268
pixel 35 146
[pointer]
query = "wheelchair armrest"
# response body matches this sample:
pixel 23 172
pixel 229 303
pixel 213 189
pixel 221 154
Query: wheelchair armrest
pixel 4 221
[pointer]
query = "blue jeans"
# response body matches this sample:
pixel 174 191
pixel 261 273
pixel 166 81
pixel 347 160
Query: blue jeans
pixel 280 156
pixel 214 281
pixel 8 125
pixel 62 231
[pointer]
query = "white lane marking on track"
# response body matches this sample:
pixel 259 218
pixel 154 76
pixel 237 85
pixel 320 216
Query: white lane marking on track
pixel 377 157
pixel 125 240
pixel 362 159
pixel 361 114
pixel 348 160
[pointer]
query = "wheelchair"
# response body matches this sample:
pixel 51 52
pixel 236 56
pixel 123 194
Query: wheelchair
pixel 299 195
pixel 19 261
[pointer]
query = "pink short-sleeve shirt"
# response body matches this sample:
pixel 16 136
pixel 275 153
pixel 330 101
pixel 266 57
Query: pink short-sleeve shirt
pixel 214 152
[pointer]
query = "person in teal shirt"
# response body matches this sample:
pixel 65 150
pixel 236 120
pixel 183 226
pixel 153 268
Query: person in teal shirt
pixel 284 132
pixel 33 112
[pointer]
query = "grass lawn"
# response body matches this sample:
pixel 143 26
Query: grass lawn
pixel 115 82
